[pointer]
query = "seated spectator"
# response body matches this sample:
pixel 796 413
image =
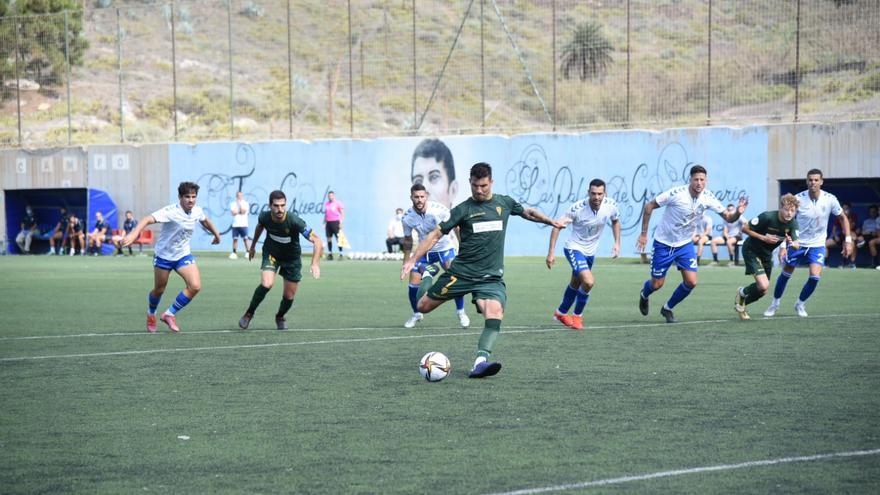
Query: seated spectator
pixel 26 234
pixel 730 236
pixel 99 234
pixel 76 235
pixel 869 235
pixel 60 233
pixel 702 234
pixel 127 227
pixel 836 238
pixel 394 233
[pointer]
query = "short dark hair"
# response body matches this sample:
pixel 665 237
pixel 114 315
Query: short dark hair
pixel 129 211
pixel 814 171
pixel 277 194
pixel 436 149
pixel 597 183
pixel 417 187
pixel 187 187
pixel 481 171
pixel 729 205
pixel 698 169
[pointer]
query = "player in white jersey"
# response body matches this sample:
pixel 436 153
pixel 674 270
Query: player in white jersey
pixel 587 218
pixel 672 238
pixel 815 207
pixel 731 234
pixel 702 234
pixel 423 218
pixel 173 252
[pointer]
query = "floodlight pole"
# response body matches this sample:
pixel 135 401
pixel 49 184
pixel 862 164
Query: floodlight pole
pixel 119 77
pixel 17 79
pixel 709 72
pixel 797 61
pixel 231 87
pixel 67 61
pixel 173 71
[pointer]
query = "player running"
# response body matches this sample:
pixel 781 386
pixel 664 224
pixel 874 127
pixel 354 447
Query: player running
pixel 173 252
pixel 423 217
pixel 672 238
pixel 281 254
pixel 479 267
pixel 587 218
pixel 814 208
pixel 765 232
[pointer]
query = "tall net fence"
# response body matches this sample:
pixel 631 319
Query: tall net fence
pixel 138 71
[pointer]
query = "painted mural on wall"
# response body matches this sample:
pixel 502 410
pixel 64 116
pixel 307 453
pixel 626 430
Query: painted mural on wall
pixel 544 171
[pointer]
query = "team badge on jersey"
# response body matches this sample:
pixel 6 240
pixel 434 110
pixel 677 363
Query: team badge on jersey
pixel 498 209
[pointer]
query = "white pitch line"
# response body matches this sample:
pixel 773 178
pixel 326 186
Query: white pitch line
pixel 680 472
pixel 298 330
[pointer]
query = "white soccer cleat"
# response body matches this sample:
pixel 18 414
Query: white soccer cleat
pixel 416 317
pixel 463 320
pixel 233 256
pixel 771 311
pixel 801 309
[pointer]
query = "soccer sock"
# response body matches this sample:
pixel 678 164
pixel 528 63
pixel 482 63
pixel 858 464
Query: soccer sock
pixel 752 293
pixel 809 287
pixel 647 289
pixel 491 330
pixel 715 257
pixel 259 293
pixel 581 302
pixel 130 252
pixel 459 304
pixel 179 303
pixel 413 300
pixel 567 299
pixel 329 246
pixel 781 282
pixel 284 307
pixel 153 302
pixel 681 292
pixel 427 281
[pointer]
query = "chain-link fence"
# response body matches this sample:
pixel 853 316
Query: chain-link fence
pixel 135 71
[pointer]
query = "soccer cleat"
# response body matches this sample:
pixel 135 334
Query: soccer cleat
pixel 643 305
pixel 244 321
pixel 801 309
pixel 484 369
pixel 171 321
pixel 416 317
pixel 280 323
pixel 771 310
pixel 739 305
pixel 564 319
pixel 151 323
pixel 463 320
pixel 330 257
pixel 233 256
pixel 51 252
pixel 667 313
pixel 577 322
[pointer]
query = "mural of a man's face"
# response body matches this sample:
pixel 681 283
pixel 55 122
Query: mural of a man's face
pixel 432 174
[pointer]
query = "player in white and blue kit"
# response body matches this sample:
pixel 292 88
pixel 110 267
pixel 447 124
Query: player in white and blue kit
pixel 673 237
pixel 423 218
pixel 173 252
pixel 815 206
pixel 587 218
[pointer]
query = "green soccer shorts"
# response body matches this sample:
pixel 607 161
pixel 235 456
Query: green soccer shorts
pixel 291 271
pixel 757 264
pixel 449 286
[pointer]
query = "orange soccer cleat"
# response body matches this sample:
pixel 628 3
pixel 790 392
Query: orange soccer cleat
pixel 564 319
pixel 151 323
pixel 171 321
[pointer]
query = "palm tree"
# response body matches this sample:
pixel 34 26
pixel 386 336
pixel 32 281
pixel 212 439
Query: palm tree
pixel 588 53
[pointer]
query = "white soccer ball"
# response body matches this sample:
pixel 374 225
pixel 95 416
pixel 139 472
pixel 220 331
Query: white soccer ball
pixel 434 366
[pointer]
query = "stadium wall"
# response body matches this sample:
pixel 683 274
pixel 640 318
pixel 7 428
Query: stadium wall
pixel 372 177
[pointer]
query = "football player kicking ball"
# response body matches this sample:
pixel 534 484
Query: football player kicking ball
pixel 765 232
pixel 173 252
pixel 423 217
pixel 587 218
pixel 479 267
pixel 281 254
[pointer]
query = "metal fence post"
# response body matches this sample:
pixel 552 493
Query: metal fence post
pixel 553 64
pixel 119 76
pixel 67 62
pixel 628 54
pixel 173 71
pixel 797 61
pixel 709 72
pixel 350 78
pixel 415 80
pixel 17 79
pixel 289 76
pixel 482 73
pixel 231 87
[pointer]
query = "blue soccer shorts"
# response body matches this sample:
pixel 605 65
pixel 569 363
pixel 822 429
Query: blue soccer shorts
pixel 684 257
pixel 578 260
pixel 806 256
pixel 442 257
pixel 169 265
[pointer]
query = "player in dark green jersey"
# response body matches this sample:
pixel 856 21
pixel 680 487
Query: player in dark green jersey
pixel 479 267
pixel 282 254
pixel 765 232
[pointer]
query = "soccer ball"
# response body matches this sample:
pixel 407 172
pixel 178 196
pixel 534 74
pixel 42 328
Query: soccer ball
pixel 434 366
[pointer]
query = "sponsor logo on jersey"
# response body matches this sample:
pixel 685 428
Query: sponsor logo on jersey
pixel 279 239
pixel 490 226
